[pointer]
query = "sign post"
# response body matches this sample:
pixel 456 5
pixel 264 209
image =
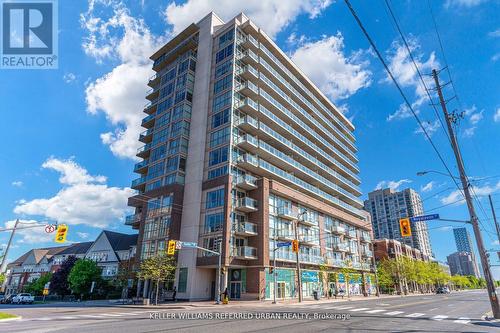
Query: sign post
pixel 424 218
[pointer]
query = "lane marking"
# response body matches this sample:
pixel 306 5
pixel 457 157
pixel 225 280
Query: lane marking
pixel 462 320
pixel 344 307
pixel 375 311
pixel 111 315
pixel 360 309
pixel 415 315
pixel 393 313
pixel 66 317
pixel 433 309
pixel 439 317
pixel 42 318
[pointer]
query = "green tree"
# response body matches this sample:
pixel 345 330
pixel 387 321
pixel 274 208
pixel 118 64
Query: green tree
pixel 2 278
pixel 81 276
pixel 159 268
pixel 36 287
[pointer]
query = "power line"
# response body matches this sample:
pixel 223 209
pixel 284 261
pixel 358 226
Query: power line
pixel 372 43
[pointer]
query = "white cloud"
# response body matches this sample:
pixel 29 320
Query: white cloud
pixel 119 94
pixel 430 127
pixel 336 74
pixel 270 15
pixel 392 184
pixel 480 191
pixel 463 3
pixel 69 77
pixel 474 117
pixel 495 57
pixel 83 199
pixel 17 183
pixel 405 74
pixel 494 34
pixel 82 235
pixel 496 116
pixel 469 132
pixel 28 234
pixel 428 187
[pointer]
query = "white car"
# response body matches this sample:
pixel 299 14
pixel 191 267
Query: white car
pixel 23 299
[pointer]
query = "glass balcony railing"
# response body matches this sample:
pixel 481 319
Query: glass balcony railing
pixel 248 138
pixel 367 253
pixel 144 148
pixel 246 102
pixel 334 262
pixel 338 229
pixel 246 228
pixel 287 213
pixel 138 181
pixel 246 204
pixel 246 119
pixel 311 259
pixel 148 119
pixel 341 246
pixel 247 158
pixel 365 237
pixel 247 252
pixel 351 233
pixel 141 164
pixel 246 180
pixel 132 219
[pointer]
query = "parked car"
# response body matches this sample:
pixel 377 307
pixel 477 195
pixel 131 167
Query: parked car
pixel 8 299
pixel 2 298
pixel 442 290
pixel 23 299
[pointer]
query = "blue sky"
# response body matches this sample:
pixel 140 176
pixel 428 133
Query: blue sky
pixel 69 135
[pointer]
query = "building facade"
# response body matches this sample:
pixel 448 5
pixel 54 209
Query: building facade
pixel 387 206
pixel 393 249
pixel 463 263
pixel 238 144
pixel 462 240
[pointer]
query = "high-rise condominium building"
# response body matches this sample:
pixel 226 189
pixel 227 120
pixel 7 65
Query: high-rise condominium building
pixel 387 206
pixel 462 240
pixel 463 263
pixel 238 142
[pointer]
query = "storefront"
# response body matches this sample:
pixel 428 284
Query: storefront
pixel 286 284
pixel 355 284
pixel 311 283
pixel 237 283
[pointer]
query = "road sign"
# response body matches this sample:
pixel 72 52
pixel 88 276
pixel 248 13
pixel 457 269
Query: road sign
pixel 295 246
pixel 283 244
pixel 45 292
pixel 404 226
pixel 47 285
pixel 178 245
pixel 50 228
pixel 188 244
pixel 171 247
pixel 424 218
pixel 62 231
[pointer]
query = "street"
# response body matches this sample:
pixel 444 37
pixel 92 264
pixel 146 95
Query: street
pixel 456 312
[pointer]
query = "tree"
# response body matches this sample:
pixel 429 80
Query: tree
pixel 2 278
pixel 36 287
pixel 158 268
pixel 83 273
pixel 59 281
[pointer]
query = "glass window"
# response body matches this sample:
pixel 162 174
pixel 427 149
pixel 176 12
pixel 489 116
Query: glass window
pixel 223 84
pixel 222 101
pixel 220 118
pixel 215 198
pixel 218 155
pixel 214 173
pixel 225 52
pixel 219 137
pixel 226 37
pixel 213 222
pixel 223 68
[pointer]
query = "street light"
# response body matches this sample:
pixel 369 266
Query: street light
pixel 299 277
pixel 422 173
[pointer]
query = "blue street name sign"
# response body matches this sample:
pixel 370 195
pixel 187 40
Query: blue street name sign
pixel 283 244
pixel 424 218
pixel 189 244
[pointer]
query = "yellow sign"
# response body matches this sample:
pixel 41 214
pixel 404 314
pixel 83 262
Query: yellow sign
pixel 405 227
pixel 45 292
pixel 171 247
pixel 62 231
pixel 295 246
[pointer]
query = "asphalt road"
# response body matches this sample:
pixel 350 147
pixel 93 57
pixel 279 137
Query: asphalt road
pixel 456 312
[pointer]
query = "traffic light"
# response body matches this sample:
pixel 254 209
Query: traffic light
pixel 171 247
pixel 271 270
pixel 404 225
pixel 295 246
pixel 62 231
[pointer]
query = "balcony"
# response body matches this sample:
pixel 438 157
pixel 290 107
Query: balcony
pixel 152 93
pixel 247 105
pixel 366 266
pixel 365 238
pixel 248 89
pixel 146 136
pixel 245 229
pixel 308 220
pixel 248 57
pixel 154 80
pixel 334 262
pixel 246 182
pixel 247 123
pixel 311 259
pixel 247 160
pixel 309 240
pixel 133 219
pixel 341 247
pixel 149 121
pixel 351 233
pixel 245 252
pixel 141 167
pixel 248 72
pixel 144 151
pixel 337 229
pixel 352 250
pixel 356 265
pixel 285 235
pixel 246 204
pixel 286 213
pixel 139 183
pixel 248 142
pixel 367 253
pixel 249 41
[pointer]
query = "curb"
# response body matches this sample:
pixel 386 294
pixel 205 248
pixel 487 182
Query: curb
pixel 11 319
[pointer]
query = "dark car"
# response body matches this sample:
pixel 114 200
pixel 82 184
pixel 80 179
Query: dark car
pixel 2 298
pixel 8 299
pixel 442 290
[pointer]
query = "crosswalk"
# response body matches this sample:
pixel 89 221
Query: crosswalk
pixel 110 315
pixel 384 312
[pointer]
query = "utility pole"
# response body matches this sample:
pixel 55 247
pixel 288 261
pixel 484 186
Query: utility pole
pixel 299 276
pixel 497 227
pixel 4 258
pixel 468 198
pixel 274 265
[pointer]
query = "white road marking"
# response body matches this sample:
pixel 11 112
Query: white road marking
pixel 433 309
pixel 360 309
pixel 415 315
pixel 111 315
pixel 42 318
pixel 393 313
pixel 375 311
pixel 91 316
pixel 344 307
pixel 439 317
pixel 462 320
pixel 332 307
pixel 67 317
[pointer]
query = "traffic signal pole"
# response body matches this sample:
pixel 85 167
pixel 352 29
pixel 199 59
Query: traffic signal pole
pixel 497 227
pixel 495 307
pixel 4 258
pixel 299 276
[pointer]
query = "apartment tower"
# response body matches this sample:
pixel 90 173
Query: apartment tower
pixel 387 206
pixel 238 144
